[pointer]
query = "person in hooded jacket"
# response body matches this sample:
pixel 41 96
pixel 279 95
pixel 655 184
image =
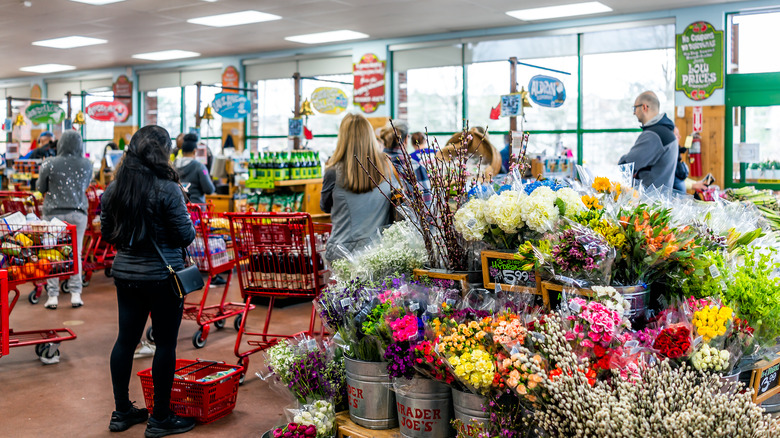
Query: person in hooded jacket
pixel 146 206
pixel 193 171
pixel 64 180
pixel 655 151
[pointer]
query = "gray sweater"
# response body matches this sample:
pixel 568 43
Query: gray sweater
pixel 64 179
pixel 355 217
pixel 655 153
pixel 194 172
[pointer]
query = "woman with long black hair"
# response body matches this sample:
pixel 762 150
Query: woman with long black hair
pixel 146 205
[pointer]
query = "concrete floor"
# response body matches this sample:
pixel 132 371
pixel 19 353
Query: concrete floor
pixel 74 398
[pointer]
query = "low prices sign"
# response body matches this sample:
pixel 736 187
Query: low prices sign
pixel 123 92
pixel 115 111
pixel 369 83
pixel 699 61
pixel 45 113
pixel 231 106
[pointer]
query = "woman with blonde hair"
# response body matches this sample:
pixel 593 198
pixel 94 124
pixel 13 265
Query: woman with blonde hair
pixel 357 208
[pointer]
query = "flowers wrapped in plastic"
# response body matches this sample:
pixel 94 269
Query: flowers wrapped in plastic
pixel 344 307
pixel 320 415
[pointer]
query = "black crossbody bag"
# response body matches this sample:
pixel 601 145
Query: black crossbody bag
pixel 187 280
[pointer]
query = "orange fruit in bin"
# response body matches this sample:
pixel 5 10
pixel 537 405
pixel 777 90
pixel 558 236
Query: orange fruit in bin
pixel 14 273
pixel 29 269
pixel 39 273
pixel 44 265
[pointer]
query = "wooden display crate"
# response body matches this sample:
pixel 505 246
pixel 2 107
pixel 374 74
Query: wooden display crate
pixel 348 429
pixel 436 274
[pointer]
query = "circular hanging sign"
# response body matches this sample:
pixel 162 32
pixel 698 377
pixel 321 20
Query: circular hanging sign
pixel 231 105
pixel 546 91
pixel 329 100
pixel 115 111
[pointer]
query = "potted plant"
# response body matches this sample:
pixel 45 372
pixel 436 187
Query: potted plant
pixel 753 171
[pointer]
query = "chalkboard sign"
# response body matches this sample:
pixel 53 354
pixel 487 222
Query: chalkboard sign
pixel 552 294
pixel 504 269
pixel 766 380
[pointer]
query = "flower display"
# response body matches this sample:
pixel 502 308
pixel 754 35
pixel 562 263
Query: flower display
pixel 321 415
pixel 404 328
pixel 430 364
pixel 474 368
pixel 522 373
pixel 504 210
pixel 673 342
pixel 710 359
pixel 572 201
pixel 508 330
pixel 594 323
pixel 712 321
pixel 591 202
pixel 548 183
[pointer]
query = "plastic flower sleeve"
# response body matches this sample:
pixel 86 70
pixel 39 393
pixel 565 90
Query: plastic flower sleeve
pixel 581 257
pixel 320 415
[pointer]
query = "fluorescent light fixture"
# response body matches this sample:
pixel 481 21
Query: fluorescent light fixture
pixel 69 42
pixel 327 37
pixel 47 68
pixel 559 11
pixel 234 19
pixel 166 55
pixel 97 2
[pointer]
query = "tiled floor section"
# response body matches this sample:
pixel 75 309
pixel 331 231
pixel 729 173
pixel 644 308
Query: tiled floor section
pixel 74 399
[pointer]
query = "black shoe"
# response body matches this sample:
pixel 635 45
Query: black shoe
pixel 121 421
pixel 170 426
pixel 217 281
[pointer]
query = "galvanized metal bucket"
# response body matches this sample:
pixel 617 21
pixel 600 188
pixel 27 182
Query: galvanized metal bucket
pixel 424 408
pixel 370 396
pixel 468 409
pixel 638 296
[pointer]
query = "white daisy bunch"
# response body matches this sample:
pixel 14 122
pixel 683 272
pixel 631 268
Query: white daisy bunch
pixel 320 414
pixel 505 211
pixel 279 358
pixel 470 220
pixel 572 200
pixel 539 210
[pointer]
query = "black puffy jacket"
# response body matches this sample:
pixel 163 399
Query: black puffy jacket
pixel 172 230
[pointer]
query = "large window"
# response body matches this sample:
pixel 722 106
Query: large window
pixel 163 107
pixel 435 99
pixel 275 104
pixel 753 35
pixel 210 130
pixel 324 124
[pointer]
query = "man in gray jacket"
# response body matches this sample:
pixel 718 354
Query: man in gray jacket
pixel 654 153
pixel 64 180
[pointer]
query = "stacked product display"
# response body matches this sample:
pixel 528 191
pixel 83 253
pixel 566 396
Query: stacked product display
pixel 646 313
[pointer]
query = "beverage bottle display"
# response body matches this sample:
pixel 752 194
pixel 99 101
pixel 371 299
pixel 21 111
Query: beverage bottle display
pixel 317 166
pixel 293 271
pixel 307 274
pixel 251 168
pixel 280 275
pixel 266 270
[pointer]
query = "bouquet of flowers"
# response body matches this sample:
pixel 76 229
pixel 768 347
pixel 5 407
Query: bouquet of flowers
pixel 320 415
pixel 581 257
pixel 344 307
pixel 295 430
pixel 674 339
pixel 465 349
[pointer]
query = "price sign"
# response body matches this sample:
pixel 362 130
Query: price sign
pixel 444 279
pixel 511 273
pixel 748 152
pixel 766 380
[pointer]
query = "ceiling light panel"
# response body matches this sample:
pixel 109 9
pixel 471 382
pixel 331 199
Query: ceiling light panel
pixel 47 68
pixel 97 2
pixel 166 55
pixel 550 12
pixel 234 19
pixel 327 37
pixel 69 42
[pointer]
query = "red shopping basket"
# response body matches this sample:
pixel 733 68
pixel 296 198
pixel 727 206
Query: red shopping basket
pixel 205 401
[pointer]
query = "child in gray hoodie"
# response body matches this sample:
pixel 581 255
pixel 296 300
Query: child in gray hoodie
pixel 193 171
pixel 64 180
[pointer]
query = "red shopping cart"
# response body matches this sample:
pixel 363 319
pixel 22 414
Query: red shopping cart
pixel 97 253
pixel 24 202
pixel 33 253
pixel 214 256
pixel 277 256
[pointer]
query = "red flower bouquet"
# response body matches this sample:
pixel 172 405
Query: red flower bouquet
pixel 674 342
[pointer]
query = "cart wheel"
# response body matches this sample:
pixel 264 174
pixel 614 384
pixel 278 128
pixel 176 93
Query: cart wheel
pixel 150 334
pixel 108 272
pixel 33 297
pixel 219 324
pixel 237 322
pixel 197 340
pixel 65 287
pixel 40 348
pixel 51 352
pixel 85 280
pixel 243 362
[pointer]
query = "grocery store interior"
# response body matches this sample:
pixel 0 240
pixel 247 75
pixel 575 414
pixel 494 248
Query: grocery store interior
pixel 264 87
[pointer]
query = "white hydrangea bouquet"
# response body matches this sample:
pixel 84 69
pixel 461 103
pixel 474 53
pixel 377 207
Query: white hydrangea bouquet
pixel 500 218
pixel 320 414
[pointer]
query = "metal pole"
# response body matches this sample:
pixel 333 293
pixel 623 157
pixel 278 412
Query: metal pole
pixel 70 108
pixel 197 104
pixel 297 111
pixel 513 89
pixel 8 114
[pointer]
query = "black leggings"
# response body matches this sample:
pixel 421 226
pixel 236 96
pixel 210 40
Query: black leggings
pixel 136 299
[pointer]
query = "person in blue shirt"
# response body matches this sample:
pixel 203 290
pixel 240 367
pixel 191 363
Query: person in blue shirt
pixel 47 147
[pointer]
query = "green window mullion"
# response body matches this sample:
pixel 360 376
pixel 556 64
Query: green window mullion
pixel 579 98
pixel 182 119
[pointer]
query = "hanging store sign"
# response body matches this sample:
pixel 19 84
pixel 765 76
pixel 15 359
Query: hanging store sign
pixel 699 61
pixel 511 105
pixel 295 127
pixel 329 100
pixel 230 80
pixel 369 83
pixel 115 111
pixel 124 88
pixel 231 105
pixel 45 113
pixel 546 91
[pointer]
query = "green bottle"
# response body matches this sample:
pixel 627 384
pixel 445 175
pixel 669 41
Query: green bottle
pixel 250 166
